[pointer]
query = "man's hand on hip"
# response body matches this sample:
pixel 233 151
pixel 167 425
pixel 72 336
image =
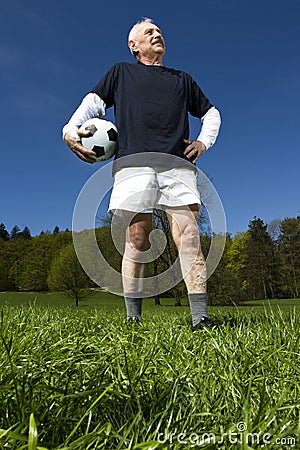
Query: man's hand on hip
pixel 194 149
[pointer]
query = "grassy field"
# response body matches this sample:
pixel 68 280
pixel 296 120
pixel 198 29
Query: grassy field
pixel 80 378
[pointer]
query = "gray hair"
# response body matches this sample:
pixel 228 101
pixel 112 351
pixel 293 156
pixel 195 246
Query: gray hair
pixel 134 30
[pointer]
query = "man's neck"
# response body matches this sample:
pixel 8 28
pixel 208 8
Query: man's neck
pixel 157 61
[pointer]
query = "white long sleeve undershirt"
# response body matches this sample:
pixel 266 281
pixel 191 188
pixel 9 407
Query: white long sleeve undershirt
pixel 211 123
pixel 93 106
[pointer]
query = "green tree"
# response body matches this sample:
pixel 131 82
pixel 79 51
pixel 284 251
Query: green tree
pixel 108 248
pixel 4 283
pixel 13 253
pixel 56 230
pixel 66 275
pixel 37 261
pixel 223 285
pixel 15 232
pixel 25 233
pixel 274 229
pixel 289 253
pixel 4 234
pixel 236 263
pixel 260 261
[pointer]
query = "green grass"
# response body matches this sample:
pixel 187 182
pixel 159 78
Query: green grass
pixel 107 301
pixel 80 379
pixel 56 299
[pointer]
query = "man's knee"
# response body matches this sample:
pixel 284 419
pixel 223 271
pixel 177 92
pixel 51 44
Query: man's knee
pixel 138 237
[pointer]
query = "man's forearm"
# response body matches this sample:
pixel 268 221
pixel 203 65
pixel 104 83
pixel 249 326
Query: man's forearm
pixel 211 122
pixel 91 106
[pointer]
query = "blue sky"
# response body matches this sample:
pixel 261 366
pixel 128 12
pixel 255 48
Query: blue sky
pixel 244 54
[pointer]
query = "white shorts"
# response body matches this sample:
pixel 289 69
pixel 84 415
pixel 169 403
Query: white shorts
pixel 140 189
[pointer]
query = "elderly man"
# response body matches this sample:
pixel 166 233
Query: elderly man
pixel 151 104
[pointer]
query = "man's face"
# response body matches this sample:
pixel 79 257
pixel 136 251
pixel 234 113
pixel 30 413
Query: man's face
pixel 148 41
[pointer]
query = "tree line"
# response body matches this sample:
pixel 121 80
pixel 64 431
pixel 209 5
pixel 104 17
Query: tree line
pixel 262 262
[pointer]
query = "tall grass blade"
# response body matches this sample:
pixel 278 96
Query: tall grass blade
pixel 33 434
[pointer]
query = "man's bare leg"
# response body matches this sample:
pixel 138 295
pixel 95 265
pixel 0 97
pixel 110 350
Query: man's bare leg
pixel 137 242
pixel 184 228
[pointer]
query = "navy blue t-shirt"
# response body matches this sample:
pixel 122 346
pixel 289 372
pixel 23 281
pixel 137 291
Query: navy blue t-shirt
pixel 151 106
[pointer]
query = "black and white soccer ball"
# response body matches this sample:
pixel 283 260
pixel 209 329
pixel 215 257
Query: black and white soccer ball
pixel 103 138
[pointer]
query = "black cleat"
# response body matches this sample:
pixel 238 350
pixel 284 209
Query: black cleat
pixel 205 323
pixel 134 320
